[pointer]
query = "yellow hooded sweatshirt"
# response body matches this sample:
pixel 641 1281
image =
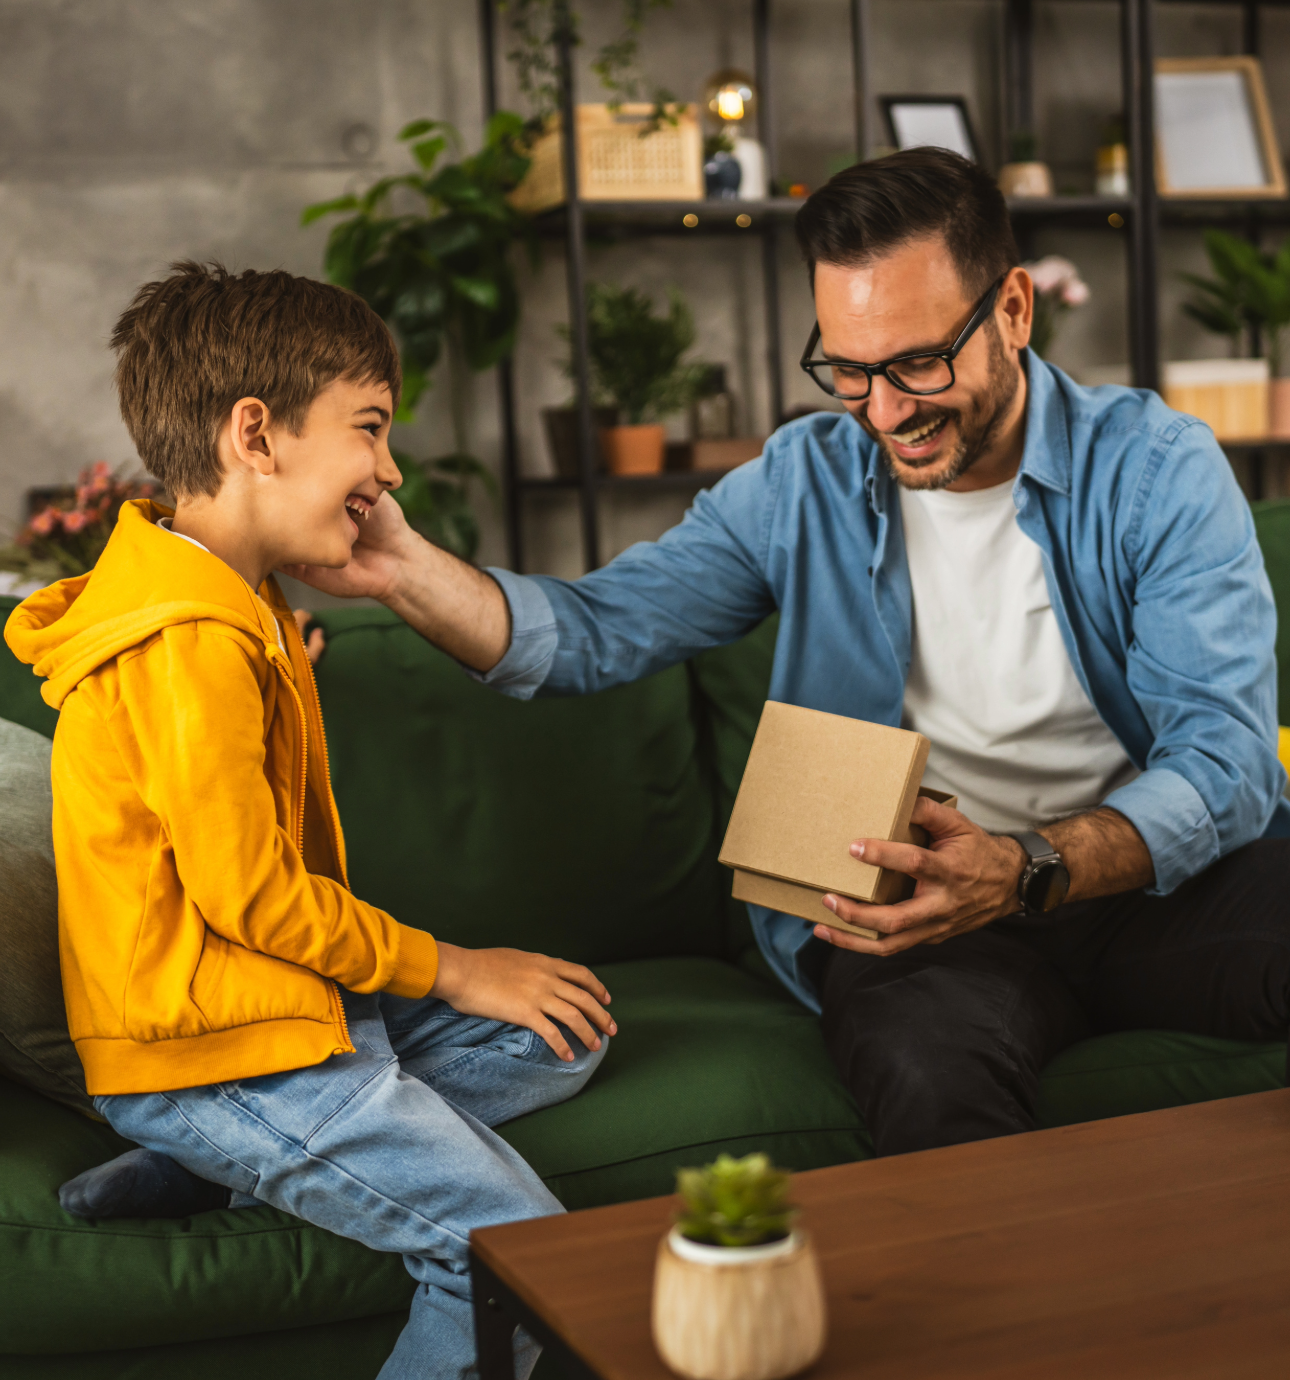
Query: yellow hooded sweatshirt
pixel 204 915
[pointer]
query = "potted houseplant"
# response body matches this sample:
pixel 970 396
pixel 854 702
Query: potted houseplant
pixel 431 250
pixel 737 1289
pixel 636 366
pixel 1248 295
pixel 67 535
pixel 1023 174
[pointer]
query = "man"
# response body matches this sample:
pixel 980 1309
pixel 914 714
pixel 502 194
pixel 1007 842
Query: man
pixel 1060 587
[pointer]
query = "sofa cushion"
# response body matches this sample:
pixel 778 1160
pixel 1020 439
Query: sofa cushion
pixel 708 1058
pixel 581 827
pixel 1142 1070
pixel 1272 525
pixel 35 1047
pixel 75 1286
pixel 20 700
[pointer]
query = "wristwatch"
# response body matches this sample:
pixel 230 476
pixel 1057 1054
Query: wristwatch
pixel 1044 879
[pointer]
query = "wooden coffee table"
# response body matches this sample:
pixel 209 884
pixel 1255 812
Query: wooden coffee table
pixel 1144 1246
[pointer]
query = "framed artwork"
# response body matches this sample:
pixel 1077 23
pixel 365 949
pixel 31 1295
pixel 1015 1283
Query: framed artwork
pixel 1214 133
pixel 940 122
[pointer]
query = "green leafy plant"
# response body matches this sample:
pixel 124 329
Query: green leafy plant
pixel 440 270
pixel 536 28
pixel 635 356
pixel 735 1202
pixel 445 268
pixel 435 498
pixel 1250 290
pixel 68 535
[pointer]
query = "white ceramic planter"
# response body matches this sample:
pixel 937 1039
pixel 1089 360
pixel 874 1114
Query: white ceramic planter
pixel 738 1312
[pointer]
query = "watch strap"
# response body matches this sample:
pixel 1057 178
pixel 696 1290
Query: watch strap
pixel 1037 847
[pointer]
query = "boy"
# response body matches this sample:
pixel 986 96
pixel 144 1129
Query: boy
pixel 235 1007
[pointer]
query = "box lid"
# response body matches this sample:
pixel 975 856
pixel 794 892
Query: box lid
pixel 814 783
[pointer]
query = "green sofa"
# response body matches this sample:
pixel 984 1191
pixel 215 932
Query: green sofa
pixel 586 828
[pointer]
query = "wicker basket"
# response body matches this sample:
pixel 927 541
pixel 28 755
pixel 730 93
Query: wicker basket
pixel 614 162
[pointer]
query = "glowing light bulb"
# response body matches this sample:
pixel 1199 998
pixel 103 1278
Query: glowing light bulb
pixel 730 104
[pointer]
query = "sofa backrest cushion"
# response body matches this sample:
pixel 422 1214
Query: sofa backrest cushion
pixel 35 1047
pixel 1272 523
pixel 20 700
pixel 584 828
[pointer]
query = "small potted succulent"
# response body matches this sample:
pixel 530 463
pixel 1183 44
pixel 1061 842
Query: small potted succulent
pixel 737 1289
pixel 637 366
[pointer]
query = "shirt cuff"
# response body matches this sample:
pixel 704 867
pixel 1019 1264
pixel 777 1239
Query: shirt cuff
pixel 1167 810
pixel 416 966
pixel 533 638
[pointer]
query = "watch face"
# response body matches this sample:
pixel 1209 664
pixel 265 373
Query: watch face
pixel 1047 887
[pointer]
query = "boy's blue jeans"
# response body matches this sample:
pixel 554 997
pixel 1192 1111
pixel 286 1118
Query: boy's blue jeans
pixel 390 1146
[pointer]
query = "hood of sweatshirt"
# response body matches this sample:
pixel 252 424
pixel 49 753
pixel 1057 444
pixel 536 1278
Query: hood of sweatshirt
pixel 145 580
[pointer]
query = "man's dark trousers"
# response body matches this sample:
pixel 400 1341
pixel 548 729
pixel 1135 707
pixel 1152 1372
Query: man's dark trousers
pixel 945 1043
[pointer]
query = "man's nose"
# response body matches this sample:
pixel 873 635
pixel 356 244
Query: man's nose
pixel 888 406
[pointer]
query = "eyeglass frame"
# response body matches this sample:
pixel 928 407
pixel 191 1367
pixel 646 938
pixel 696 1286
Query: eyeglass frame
pixel 982 311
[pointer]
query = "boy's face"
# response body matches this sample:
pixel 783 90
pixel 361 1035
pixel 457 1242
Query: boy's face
pixel 331 475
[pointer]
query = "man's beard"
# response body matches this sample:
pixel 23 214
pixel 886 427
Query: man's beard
pixel 978 425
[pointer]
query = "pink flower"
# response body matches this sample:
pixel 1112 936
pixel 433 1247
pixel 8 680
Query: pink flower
pixel 1057 277
pixel 77 521
pixel 44 522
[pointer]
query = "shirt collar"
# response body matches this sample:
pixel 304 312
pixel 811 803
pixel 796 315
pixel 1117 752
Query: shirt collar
pixel 1047 455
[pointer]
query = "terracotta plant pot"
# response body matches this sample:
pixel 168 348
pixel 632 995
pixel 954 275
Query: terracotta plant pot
pixel 561 424
pixel 738 1313
pixel 633 449
pixel 1279 408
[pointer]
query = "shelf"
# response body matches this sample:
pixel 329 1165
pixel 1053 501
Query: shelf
pixel 667 479
pixel 1185 211
pixel 669 217
pixel 1256 443
pixel 723 217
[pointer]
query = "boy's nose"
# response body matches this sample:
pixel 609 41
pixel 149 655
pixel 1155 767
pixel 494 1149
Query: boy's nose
pixel 387 472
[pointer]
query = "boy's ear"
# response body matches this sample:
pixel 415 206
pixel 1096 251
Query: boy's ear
pixel 248 435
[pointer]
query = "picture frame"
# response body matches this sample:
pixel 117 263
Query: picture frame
pixel 1214 133
pixel 935 121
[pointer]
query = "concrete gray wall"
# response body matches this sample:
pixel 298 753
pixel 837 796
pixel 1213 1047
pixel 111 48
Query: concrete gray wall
pixel 134 132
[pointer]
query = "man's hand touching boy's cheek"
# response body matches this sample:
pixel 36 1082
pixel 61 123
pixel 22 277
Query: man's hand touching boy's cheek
pixel 525 989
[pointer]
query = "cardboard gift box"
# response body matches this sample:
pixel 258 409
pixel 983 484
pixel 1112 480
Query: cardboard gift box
pixel 814 784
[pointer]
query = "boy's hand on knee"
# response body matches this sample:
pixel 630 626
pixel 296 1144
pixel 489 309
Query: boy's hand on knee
pixel 526 989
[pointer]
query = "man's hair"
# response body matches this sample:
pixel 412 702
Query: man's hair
pixel 189 346
pixel 871 208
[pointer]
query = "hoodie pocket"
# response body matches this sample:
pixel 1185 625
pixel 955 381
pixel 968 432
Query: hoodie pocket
pixel 205 985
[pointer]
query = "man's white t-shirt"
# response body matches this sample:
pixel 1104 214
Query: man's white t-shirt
pixel 1013 734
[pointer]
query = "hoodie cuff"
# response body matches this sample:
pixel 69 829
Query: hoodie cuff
pixel 416 966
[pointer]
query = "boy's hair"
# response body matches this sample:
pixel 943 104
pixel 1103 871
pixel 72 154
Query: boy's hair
pixel 189 346
pixel 872 207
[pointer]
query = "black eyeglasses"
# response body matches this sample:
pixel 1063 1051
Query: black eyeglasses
pixel 919 374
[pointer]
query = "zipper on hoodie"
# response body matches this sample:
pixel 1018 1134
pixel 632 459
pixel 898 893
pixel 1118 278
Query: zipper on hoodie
pixel 337 1005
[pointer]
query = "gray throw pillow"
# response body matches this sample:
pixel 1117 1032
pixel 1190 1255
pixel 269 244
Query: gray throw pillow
pixel 35 1047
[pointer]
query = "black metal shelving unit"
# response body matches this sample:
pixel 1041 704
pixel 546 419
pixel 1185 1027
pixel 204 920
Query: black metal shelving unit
pixel 1138 217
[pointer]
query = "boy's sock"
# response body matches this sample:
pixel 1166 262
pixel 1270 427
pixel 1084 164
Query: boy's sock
pixel 140 1183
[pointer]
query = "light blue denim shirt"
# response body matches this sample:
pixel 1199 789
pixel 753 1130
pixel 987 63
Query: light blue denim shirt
pixel 1153 568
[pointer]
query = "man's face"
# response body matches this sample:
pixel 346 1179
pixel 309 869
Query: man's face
pixel 334 471
pixel 907 301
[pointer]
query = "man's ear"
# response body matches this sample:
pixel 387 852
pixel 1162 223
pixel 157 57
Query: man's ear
pixel 1017 307
pixel 248 437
